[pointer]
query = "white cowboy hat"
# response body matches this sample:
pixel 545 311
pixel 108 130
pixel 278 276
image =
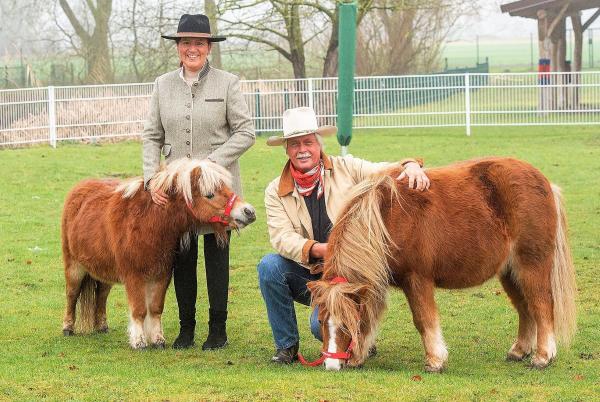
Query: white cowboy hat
pixel 298 122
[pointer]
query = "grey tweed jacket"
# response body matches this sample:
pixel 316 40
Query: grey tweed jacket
pixel 210 120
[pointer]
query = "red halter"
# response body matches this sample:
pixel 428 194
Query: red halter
pixel 226 213
pixel 325 354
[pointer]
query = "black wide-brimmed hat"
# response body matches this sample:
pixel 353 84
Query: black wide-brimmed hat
pixel 194 26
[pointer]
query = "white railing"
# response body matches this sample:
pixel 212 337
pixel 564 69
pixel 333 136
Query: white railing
pixel 445 100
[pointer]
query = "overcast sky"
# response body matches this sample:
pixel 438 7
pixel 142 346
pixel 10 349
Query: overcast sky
pixel 492 23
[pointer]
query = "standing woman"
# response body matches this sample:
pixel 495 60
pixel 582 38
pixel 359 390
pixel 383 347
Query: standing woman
pixel 198 112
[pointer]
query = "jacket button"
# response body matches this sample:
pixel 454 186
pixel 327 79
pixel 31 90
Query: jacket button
pixel 193 95
pixel 188 105
pixel 187 117
pixel 188 131
pixel 187 143
pixel 189 156
pixel 195 84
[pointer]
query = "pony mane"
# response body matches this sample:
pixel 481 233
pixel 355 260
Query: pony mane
pixel 359 248
pixel 361 245
pixel 178 176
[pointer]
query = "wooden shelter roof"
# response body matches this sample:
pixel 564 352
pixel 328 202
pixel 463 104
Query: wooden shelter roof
pixel 529 8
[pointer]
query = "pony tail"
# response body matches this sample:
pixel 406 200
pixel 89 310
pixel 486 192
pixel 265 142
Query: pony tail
pixel 87 305
pixel 563 277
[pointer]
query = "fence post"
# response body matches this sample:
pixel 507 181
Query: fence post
pixel 310 93
pixel 467 104
pixel 257 105
pixel 52 116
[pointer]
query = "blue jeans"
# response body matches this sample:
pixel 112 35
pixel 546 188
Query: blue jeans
pixel 282 282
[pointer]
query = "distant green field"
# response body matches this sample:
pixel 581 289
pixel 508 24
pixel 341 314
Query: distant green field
pixel 512 55
pixel 479 325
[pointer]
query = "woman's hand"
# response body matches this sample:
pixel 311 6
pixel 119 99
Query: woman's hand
pixel 417 178
pixel 159 197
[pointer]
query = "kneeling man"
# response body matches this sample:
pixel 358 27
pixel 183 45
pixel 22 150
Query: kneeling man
pixel 302 204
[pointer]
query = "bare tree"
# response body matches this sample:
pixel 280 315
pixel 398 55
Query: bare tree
pixel 210 8
pixel 287 26
pixel 406 38
pixel 93 43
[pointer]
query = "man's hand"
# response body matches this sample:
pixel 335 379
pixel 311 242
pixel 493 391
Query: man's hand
pixel 159 197
pixel 417 178
pixel 318 250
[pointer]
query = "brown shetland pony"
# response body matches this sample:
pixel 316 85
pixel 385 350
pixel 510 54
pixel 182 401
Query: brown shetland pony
pixel 113 232
pixel 480 218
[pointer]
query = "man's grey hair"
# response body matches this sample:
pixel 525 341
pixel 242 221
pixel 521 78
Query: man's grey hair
pixel 319 140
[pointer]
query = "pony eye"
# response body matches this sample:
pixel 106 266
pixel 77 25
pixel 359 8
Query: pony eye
pixel 209 196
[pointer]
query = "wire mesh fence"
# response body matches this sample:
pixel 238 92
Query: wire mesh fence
pixel 54 114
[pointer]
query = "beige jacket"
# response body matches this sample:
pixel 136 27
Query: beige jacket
pixel 288 220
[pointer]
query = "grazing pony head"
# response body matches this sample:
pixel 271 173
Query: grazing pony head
pixel 352 294
pixel 204 188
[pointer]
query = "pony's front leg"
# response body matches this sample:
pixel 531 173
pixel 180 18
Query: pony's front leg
pixel 420 295
pixel 155 302
pixel 136 296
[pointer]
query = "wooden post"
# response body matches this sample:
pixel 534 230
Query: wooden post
pixel 544 54
pixel 576 62
pixel 560 33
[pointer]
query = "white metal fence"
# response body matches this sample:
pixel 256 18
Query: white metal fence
pixel 55 114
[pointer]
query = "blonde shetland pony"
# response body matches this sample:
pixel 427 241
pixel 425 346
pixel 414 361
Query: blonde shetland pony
pixel 113 232
pixel 480 218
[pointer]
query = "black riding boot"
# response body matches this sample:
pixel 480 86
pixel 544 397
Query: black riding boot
pixel 216 260
pixel 186 289
pixel 217 333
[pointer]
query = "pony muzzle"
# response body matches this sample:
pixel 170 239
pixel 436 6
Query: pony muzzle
pixel 242 215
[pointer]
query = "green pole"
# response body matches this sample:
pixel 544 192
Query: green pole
pixel 347 58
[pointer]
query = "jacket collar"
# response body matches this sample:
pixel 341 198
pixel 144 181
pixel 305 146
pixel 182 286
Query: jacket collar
pixel 286 182
pixel 201 74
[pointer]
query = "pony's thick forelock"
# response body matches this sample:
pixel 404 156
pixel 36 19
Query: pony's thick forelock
pixel 178 176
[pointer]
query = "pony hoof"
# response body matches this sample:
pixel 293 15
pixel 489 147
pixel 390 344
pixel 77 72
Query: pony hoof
pixel 516 357
pixel 539 363
pixel 159 345
pixel 103 330
pixel 67 332
pixel 434 369
pixel 139 345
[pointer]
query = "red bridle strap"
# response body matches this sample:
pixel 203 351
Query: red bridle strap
pixel 328 355
pixel 338 279
pixel 325 354
pixel 226 212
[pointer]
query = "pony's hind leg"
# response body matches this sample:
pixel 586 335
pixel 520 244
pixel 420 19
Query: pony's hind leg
pixel 155 303
pixel 136 296
pixel 420 295
pixel 74 275
pixel 526 337
pixel 535 283
pixel 100 319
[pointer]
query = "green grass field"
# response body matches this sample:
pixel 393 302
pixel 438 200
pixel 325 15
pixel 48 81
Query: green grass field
pixel 513 55
pixel 479 324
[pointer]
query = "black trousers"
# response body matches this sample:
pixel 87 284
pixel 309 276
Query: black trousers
pixel 216 260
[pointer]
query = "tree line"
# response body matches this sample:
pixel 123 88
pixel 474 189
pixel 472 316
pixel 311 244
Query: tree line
pixel 393 36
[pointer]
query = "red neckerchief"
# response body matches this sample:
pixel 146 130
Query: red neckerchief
pixel 306 182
